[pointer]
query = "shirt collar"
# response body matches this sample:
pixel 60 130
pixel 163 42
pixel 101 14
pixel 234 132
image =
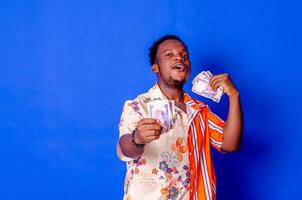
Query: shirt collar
pixel 190 102
pixel 156 94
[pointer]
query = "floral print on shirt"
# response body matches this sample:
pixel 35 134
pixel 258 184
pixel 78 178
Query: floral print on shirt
pixel 174 182
pixel 162 171
pixel 137 163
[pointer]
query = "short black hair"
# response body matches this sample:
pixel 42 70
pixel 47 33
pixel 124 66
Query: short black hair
pixel 154 47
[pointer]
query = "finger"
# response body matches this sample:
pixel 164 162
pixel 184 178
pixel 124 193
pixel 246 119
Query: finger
pixel 218 84
pixel 151 133
pixel 147 121
pixel 153 137
pixel 216 81
pixel 217 77
pixel 146 127
pixel 213 78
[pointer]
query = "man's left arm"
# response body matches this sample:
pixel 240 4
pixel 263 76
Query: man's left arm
pixel 232 130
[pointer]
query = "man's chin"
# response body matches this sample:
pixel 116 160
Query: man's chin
pixel 179 83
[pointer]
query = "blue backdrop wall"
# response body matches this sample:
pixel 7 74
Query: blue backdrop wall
pixel 66 68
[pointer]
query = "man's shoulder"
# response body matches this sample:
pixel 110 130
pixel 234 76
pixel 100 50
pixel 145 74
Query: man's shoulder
pixel 141 98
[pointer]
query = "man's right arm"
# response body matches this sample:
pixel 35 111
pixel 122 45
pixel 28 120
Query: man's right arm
pixel 127 148
pixel 146 131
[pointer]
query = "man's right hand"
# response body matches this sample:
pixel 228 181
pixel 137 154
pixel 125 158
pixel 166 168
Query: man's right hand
pixel 147 130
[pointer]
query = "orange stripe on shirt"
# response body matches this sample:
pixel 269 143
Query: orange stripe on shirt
pixel 201 136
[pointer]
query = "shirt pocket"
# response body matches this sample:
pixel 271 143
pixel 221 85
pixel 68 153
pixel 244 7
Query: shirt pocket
pixel 145 187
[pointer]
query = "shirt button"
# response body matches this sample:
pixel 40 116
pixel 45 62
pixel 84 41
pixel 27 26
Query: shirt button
pixel 191 190
pixel 191 171
pixel 190 154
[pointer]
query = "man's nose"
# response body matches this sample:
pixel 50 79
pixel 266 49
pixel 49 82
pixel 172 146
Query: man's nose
pixel 179 58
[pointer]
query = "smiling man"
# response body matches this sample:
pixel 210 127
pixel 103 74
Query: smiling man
pixel 175 164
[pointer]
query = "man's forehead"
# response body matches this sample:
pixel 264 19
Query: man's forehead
pixel 171 44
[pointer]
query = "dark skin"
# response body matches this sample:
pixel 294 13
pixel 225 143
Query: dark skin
pixel 173 70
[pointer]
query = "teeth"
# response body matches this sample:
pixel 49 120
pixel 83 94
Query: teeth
pixel 179 66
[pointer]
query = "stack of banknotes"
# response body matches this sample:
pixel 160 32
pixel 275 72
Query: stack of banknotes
pixel 163 110
pixel 201 86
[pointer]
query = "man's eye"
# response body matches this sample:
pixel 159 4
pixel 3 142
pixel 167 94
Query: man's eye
pixel 185 56
pixel 169 55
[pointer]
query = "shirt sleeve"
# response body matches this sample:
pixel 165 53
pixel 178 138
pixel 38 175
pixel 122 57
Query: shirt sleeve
pixel 215 125
pixel 131 114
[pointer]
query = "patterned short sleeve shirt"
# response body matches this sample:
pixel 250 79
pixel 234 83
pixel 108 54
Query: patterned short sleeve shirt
pixel 178 165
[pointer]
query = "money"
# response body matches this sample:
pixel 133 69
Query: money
pixel 163 110
pixel 201 86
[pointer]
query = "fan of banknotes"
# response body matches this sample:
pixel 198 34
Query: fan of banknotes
pixel 201 86
pixel 163 110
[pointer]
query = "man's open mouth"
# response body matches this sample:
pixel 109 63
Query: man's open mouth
pixel 179 67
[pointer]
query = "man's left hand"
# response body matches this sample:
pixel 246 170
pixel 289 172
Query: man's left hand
pixel 223 80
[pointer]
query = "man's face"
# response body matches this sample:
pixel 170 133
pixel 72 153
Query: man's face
pixel 172 63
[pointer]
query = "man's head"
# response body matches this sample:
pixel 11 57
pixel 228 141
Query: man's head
pixel 169 58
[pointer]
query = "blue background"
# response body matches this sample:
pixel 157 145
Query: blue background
pixel 66 68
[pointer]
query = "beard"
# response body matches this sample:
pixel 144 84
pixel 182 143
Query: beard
pixel 172 82
pixel 177 83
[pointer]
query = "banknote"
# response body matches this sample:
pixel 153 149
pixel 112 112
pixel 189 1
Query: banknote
pixel 201 86
pixel 162 110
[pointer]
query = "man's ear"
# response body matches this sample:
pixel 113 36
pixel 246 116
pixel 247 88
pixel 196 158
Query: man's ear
pixel 155 68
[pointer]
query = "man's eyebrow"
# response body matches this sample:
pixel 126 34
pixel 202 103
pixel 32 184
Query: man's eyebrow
pixel 172 49
pixel 167 50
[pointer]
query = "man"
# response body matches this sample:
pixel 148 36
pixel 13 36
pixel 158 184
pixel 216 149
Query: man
pixel 175 164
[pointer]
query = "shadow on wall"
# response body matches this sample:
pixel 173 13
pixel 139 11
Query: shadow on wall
pixel 236 171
